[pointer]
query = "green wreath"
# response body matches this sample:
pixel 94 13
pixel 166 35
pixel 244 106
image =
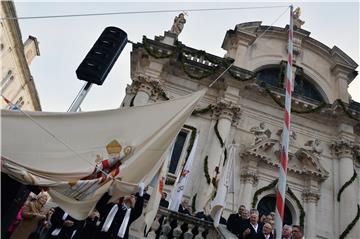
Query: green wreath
pixel 292 195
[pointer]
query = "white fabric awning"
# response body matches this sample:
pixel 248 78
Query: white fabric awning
pixel 58 150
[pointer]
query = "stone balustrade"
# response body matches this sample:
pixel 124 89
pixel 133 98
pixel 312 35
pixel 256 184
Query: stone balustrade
pixel 170 224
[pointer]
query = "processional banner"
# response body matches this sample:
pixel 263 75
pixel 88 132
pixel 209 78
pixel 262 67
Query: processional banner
pixel 78 156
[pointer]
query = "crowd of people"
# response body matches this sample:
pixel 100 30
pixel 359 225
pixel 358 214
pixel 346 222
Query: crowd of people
pixel 112 220
pixel 246 224
pixel 108 220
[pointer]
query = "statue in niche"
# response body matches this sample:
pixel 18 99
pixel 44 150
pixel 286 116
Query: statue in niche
pixel 313 146
pixel 178 24
pixel 296 16
pixel 260 132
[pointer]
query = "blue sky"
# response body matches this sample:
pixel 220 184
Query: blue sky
pixel 64 42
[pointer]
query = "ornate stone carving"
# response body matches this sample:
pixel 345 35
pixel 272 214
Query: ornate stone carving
pixel 313 146
pixel 343 147
pixel 178 25
pixel 227 110
pixel 249 177
pixel 303 162
pixel 310 196
pixel 148 85
pixel 260 132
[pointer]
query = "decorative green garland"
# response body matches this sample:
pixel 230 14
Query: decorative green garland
pixel 292 195
pixel 206 170
pixel 203 111
pixel 352 224
pixel 193 76
pixel 352 179
pixel 240 78
pixel 132 101
pixel 193 203
pixel 152 53
pixel 220 140
pixel 218 134
pixel 346 110
pixel 261 190
pixel 192 139
pixel 316 109
pixel 302 212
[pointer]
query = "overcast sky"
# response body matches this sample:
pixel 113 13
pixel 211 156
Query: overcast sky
pixel 64 42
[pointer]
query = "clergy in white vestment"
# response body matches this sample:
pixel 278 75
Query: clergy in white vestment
pixel 117 217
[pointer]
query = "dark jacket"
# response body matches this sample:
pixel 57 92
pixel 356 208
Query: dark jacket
pixel 135 213
pixel 236 224
pixel 253 234
pixel 58 222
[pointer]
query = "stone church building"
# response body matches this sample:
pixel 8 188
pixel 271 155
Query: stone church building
pixel 245 107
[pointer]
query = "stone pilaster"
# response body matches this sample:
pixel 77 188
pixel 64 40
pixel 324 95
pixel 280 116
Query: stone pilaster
pixel 249 179
pixel 310 198
pixel 225 114
pixel 344 149
pixel 147 88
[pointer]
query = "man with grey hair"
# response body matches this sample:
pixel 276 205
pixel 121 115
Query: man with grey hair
pixel 286 232
pixel 267 232
pixel 253 229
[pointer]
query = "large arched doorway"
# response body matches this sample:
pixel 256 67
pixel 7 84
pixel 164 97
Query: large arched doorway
pixel 267 205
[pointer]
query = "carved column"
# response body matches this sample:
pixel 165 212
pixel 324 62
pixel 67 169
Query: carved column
pixel 249 178
pixel 310 198
pixel 343 149
pixel 146 87
pixel 226 114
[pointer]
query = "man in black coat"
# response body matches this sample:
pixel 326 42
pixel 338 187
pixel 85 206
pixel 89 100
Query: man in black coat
pixel 266 232
pixel 63 226
pixel 163 202
pixel 117 222
pixel 236 221
pixel 253 229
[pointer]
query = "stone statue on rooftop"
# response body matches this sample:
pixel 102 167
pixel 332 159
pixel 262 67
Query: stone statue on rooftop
pixel 179 23
pixel 296 16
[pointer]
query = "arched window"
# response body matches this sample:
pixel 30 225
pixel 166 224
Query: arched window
pixel 303 86
pixel 267 205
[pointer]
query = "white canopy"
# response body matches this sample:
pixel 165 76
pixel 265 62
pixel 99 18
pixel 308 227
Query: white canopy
pixel 57 150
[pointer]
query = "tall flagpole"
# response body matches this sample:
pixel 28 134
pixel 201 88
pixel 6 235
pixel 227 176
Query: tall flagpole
pixel 280 193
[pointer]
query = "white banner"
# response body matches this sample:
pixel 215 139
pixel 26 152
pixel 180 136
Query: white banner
pixel 178 190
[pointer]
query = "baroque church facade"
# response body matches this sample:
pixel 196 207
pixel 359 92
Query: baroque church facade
pixel 245 107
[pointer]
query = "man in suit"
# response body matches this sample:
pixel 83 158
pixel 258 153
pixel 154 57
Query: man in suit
pixel 286 232
pixel 184 207
pixel 252 229
pixel 163 202
pixel 63 226
pixel 266 232
pixel 118 220
pixel 236 221
pixel 297 232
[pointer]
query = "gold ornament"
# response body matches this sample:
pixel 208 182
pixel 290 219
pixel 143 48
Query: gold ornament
pixel 114 147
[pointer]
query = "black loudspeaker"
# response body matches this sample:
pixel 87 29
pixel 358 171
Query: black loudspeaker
pixel 102 56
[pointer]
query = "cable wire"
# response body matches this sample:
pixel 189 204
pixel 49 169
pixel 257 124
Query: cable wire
pixel 272 24
pixel 138 12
